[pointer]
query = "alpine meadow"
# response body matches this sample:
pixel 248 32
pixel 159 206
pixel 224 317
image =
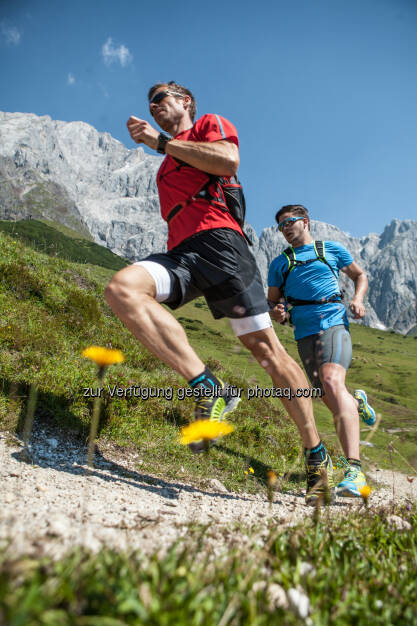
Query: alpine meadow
pixel 316 568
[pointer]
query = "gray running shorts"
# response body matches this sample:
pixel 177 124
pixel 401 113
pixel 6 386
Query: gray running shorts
pixel 332 345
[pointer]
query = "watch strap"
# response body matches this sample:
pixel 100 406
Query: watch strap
pixel 162 142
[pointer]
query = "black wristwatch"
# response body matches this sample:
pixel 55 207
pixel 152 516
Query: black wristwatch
pixel 162 142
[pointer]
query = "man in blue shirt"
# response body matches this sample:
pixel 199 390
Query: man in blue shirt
pixel 305 276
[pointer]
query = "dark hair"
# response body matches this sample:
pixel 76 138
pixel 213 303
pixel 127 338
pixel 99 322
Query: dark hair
pixel 294 209
pixel 180 89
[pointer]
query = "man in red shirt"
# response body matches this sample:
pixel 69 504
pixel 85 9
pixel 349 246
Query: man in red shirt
pixel 207 255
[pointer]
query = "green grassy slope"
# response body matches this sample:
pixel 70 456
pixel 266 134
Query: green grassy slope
pixel 60 241
pixel 50 309
pixel 70 232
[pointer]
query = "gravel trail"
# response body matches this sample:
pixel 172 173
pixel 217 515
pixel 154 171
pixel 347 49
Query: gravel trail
pixel 52 504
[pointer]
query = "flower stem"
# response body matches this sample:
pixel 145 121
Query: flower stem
pixel 33 395
pixel 94 422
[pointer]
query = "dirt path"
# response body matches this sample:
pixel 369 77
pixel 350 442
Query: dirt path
pixel 52 505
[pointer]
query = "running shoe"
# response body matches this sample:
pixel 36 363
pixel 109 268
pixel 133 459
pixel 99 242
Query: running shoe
pixel 320 483
pixel 214 407
pixel 365 410
pixel 354 479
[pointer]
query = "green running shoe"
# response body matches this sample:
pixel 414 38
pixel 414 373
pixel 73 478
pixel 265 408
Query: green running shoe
pixel 353 480
pixel 365 410
pixel 320 483
pixel 213 407
pixel 209 407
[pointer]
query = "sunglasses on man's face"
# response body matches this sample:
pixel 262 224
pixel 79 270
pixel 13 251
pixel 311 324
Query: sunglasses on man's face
pixel 158 97
pixel 288 222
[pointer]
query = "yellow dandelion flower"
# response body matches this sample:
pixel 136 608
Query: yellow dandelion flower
pixel 365 492
pixel 272 478
pixel 246 472
pixel 103 356
pixel 252 471
pixel 204 430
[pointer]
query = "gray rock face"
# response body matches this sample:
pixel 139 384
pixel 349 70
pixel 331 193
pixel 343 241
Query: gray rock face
pixel 71 173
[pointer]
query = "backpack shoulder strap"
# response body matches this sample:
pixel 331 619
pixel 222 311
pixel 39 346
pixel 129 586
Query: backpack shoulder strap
pixel 320 249
pixel 291 258
pixel 178 166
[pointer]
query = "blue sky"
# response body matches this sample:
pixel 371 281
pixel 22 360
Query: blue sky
pixel 323 92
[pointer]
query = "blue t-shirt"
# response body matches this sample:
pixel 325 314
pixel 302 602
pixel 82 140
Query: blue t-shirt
pixel 312 282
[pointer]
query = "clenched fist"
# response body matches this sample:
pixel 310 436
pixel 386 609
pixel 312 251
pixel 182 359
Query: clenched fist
pixel 142 132
pixel 278 313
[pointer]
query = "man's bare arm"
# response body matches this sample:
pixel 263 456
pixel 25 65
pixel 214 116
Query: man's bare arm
pixel 216 157
pixel 277 312
pixel 358 276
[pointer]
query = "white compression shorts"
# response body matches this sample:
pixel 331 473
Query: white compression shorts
pixel 163 284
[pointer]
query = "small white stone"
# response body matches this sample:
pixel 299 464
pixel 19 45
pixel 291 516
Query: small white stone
pixel 277 598
pixel 398 522
pixel 58 525
pixel 299 602
pixel 217 485
pixel 306 568
pixel 53 443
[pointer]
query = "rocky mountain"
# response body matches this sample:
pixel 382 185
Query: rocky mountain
pixel 71 173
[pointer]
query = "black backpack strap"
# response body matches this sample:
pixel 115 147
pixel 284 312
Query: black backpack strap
pixel 177 168
pixel 206 194
pixel 319 247
pixel 290 254
pixel 337 297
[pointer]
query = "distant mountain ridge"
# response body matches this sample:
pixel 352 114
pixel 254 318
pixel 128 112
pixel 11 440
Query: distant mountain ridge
pixel 70 173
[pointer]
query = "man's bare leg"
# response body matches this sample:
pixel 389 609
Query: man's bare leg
pixel 131 295
pixel 285 372
pixel 343 406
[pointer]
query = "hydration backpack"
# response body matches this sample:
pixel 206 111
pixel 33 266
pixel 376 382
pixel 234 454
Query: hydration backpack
pixel 225 192
pixel 293 262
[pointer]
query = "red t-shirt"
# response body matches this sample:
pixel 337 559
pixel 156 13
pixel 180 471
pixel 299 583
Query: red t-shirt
pixel 177 185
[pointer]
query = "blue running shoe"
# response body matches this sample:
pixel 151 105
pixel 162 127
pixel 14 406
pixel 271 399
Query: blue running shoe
pixel 353 480
pixel 365 410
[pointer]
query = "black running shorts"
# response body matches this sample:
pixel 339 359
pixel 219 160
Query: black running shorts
pixel 218 265
pixel 332 345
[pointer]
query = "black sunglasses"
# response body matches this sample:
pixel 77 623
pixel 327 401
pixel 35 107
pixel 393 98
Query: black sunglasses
pixel 158 97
